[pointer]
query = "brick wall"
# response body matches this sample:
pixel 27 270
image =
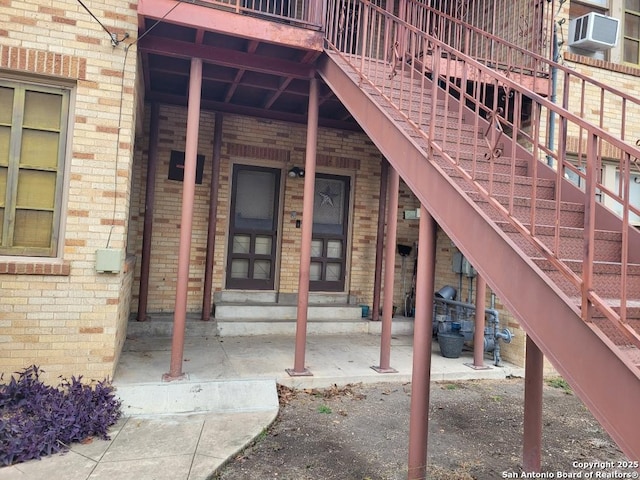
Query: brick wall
pixel 258 142
pixel 58 313
pixel 279 145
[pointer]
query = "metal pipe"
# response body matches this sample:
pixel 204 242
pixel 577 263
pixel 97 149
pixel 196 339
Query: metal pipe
pixel 150 195
pixel 307 226
pixel 213 218
pixel 497 358
pixel 491 343
pixel 478 337
pixel 532 433
pixel 491 311
pixel 389 271
pixel 421 373
pixel 186 220
pixel 382 205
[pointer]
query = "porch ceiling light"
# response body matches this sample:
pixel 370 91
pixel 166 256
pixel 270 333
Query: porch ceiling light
pixel 296 172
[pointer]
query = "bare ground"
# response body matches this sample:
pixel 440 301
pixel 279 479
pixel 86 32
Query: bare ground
pixel 475 432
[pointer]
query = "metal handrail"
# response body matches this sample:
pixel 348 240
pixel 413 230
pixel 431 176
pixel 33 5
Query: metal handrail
pixel 429 82
pixel 308 14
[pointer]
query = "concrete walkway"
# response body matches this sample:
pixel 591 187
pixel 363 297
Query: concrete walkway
pixel 191 446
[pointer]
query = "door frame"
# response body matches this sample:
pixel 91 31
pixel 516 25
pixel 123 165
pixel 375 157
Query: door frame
pixel 349 218
pixel 278 221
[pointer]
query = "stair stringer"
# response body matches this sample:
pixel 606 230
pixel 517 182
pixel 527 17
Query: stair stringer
pixel 588 360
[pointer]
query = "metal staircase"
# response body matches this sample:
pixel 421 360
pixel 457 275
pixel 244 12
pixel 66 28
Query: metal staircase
pixel 467 120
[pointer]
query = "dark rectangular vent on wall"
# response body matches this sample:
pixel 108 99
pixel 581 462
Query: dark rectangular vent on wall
pixel 176 167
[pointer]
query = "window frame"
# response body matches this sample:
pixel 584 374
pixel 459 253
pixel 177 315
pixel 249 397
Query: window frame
pixel 20 89
pixel 636 13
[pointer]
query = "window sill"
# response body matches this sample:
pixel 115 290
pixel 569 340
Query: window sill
pixel 35 266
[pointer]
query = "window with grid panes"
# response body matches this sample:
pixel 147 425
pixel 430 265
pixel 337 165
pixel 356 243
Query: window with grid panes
pixel 33 123
pixel 631 46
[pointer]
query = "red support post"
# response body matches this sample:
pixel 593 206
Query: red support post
pixel 422 339
pixel 389 270
pixel 213 218
pixel 307 225
pixel 150 195
pixel 533 383
pixel 478 334
pixel 382 205
pixel 186 220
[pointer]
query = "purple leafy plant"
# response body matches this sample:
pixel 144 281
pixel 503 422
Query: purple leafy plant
pixel 38 419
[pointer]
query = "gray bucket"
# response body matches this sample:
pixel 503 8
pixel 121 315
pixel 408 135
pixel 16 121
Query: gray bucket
pixel 450 344
pixel 447 293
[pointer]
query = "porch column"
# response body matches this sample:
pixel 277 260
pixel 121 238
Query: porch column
pixel 422 338
pixel 478 335
pixel 382 204
pixel 533 382
pixel 389 270
pixel 213 218
pixel 307 225
pixel 150 195
pixel 186 220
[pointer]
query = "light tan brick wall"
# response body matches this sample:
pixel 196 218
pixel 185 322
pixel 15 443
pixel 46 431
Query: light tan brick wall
pixel 259 142
pixel 58 313
pixel 284 144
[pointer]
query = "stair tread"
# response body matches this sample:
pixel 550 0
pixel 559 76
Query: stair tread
pixel 483 175
pixel 542 229
pixel 599 263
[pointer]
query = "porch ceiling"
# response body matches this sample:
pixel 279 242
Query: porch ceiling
pixel 249 76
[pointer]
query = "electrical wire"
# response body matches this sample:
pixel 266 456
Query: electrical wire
pixel 115 174
pixel 115 42
pixel 112 36
pixel 122 78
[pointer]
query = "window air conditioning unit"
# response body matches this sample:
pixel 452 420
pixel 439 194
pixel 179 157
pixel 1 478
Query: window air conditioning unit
pixel 593 31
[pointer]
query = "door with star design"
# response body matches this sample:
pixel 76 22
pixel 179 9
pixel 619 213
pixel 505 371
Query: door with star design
pixel 329 237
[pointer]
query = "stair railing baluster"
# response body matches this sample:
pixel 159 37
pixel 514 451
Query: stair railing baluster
pixel 589 226
pixel 535 121
pixel 625 174
pixel 476 125
pixel 435 67
pixel 516 124
pixel 463 97
pixel 423 81
pixel 365 32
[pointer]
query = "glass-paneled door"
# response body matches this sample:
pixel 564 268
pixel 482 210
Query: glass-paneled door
pixel 253 228
pixel 329 238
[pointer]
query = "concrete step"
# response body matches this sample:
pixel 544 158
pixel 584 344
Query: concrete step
pixel 261 297
pixel 240 328
pixel 184 396
pixel 278 311
pixel 161 325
